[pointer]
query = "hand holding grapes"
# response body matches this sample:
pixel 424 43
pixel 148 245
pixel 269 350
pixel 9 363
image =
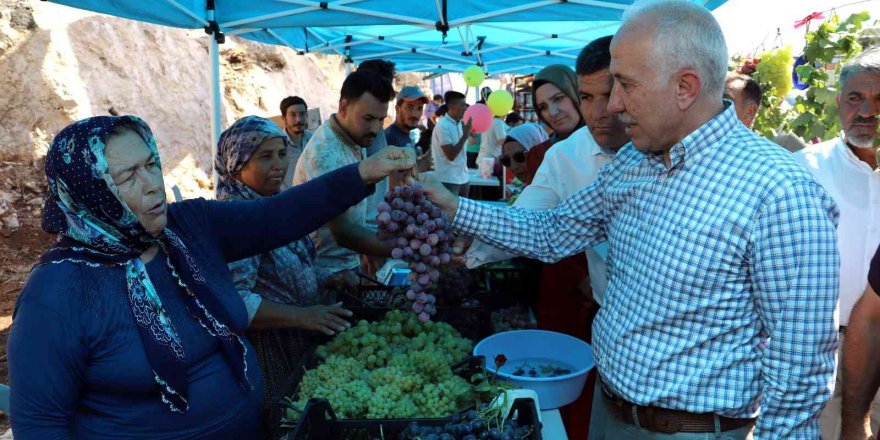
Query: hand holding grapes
pixel 387 161
pixel 460 246
pixel 440 196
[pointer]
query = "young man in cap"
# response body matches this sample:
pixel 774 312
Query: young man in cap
pixel 410 106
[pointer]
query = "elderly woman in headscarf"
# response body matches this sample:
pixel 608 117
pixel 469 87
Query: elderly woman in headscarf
pixel 130 325
pixel 520 140
pixel 554 92
pixel 281 288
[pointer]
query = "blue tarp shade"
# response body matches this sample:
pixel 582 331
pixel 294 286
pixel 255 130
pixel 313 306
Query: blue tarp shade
pixel 517 35
pixel 500 47
pixel 514 36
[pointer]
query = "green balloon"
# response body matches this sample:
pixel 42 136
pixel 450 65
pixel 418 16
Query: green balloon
pixel 474 76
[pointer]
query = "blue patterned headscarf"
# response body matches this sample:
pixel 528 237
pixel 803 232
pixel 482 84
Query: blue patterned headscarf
pixel 97 228
pixel 236 146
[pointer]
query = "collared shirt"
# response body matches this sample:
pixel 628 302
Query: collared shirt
pixel 568 167
pixel 448 132
pixel 723 274
pixel 856 189
pixel 331 148
pixel 294 153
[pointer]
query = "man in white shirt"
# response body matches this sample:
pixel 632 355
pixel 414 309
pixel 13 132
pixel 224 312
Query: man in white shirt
pixel 447 146
pixel 847 168
pixel 492 140
pixel 573 164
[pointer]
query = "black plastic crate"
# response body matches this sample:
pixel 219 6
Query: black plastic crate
pixel 466 368
pixel 372 293
pixel 319 422
pixel 372 300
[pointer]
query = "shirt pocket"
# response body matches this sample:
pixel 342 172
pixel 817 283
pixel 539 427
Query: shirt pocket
pixel 707 256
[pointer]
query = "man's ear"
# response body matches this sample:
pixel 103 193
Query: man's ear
pixel 752 111
pixel 689 87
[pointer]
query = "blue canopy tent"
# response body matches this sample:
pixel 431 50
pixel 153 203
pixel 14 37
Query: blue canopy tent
pixel 502 36
pixel 497 47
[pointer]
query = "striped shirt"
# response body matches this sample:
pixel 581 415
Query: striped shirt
pixel 723 275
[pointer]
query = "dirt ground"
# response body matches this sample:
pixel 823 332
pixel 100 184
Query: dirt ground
pixel 22 188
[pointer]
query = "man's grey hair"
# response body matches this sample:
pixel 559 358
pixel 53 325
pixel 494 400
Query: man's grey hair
pixel 867 61
pixel 686 36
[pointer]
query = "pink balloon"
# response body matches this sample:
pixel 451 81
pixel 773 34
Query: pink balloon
pixel 481 117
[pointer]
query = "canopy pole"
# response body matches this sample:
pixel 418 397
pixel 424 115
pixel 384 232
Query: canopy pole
pixel 214 53
pixel 217 38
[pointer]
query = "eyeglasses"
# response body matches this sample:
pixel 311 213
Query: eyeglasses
pixel 519 157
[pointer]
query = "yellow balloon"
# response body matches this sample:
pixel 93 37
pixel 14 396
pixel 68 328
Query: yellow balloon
pixel 500 102
pixel 474 76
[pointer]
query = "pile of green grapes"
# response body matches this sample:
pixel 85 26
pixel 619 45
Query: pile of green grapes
pixel 775 70
pixel 395 368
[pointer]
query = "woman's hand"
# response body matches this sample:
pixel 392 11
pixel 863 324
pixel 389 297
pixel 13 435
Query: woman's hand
pixel 387 161
pixel 325 319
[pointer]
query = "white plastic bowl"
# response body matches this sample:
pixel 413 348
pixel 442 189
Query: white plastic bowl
pixel 553 392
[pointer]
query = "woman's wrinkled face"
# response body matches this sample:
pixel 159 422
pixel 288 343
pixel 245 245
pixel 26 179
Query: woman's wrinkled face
pixel 514 151
pixel 264 171
pixel 138 178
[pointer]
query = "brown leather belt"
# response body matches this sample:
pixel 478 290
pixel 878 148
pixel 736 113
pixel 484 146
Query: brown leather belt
pixel 670 421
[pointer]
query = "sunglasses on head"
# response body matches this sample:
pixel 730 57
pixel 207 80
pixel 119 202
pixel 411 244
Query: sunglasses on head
pixel 518 156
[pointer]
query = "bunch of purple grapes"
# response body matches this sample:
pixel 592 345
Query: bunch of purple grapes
pixel 420 234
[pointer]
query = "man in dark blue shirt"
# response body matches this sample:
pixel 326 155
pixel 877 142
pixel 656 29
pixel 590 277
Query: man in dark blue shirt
pixel 410 105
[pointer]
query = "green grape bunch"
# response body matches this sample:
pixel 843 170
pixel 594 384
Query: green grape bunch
pixel 774 72
pixel 399 367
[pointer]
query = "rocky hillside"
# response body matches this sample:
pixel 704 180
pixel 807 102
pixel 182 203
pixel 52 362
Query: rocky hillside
pixel 58 64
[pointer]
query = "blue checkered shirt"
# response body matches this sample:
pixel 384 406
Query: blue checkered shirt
pixel 723 275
